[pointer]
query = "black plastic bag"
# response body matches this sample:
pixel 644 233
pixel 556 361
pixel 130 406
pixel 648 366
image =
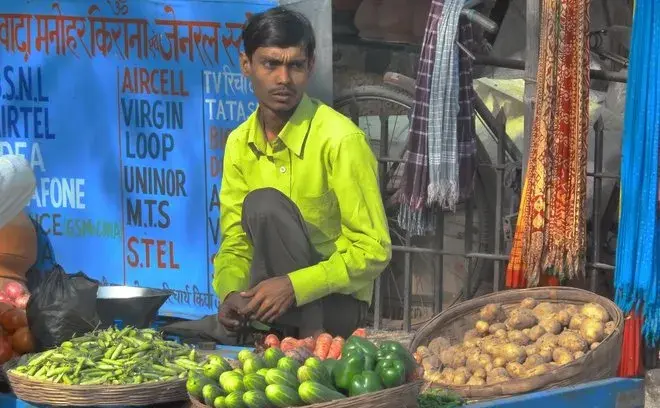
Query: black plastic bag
pixel 62 306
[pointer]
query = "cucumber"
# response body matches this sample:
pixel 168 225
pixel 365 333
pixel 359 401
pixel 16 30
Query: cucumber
pixel 219 361
pixel 255 399
pixel 280 377
pixel 235 400
pixel 319 375
pixel 195 385
pixel 313 362
pixel 263 372
pixel 282 396
pixel 254 382
pixel 244 355
pixel 210 392
pixel 231 382
pixel 272 356
pixel 219 402
pixel 213 371
pixel 314 393
pixel 288 364
pixel 329 365
pixel 252 365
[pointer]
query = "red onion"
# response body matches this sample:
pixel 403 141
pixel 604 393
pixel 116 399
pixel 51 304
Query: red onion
pixel 14 290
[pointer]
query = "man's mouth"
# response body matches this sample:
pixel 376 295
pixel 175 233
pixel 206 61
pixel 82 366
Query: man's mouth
pixel 282 94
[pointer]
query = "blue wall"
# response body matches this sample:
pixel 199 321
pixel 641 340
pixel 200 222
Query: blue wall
pixel 123 107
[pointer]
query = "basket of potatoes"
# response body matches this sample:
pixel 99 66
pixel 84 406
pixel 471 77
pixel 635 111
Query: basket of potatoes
pixel 518 341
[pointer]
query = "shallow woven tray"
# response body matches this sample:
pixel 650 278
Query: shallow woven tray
pixel 48 393
pixel 404 396
pixel 598 364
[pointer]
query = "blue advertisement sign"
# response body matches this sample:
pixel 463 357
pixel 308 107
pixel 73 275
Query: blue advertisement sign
pixel 123 108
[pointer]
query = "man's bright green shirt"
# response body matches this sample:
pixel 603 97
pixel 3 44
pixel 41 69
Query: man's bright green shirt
pixel 323 162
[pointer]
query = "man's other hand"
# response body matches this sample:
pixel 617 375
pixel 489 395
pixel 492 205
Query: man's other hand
pixel 229 315
pixel 269 300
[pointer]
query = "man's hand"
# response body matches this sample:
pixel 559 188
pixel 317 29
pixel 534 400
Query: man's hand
pixel 269 300
pixel 229 315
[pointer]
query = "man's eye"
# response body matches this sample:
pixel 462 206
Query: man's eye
pixel 298 65
pixel 269 65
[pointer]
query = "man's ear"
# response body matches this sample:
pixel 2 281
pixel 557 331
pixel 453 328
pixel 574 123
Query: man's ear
pixel 246 67
pixel 311 63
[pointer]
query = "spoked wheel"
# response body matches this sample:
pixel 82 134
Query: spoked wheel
pixel 383 114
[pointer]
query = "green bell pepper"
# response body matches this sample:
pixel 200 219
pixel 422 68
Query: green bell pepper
pixel 345 369
pixel 368 381
pixel 392 371
pixel 370 360
pixel 393 347
pixel 359 343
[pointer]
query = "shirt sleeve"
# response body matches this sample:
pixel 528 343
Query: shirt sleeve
pixel 232 262
pixel 353 177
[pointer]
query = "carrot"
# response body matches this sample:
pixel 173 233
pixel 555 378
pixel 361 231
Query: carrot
pixel 360 332
pixel 335 348
pixel 272 341
pixel 288 344
pixel 309 343
pixel 322 347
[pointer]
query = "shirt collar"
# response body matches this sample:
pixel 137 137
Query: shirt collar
pixel 294 134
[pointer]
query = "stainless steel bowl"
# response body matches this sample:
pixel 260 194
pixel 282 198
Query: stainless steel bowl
pixel 131 305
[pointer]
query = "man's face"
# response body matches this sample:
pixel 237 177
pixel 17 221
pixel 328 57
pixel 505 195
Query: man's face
pixel 279 76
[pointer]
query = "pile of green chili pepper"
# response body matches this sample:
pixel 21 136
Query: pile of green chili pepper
pixel 439 399
pixel 365 367
pixel 112 356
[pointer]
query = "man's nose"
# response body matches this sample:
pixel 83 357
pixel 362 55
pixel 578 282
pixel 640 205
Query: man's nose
pixel 283 75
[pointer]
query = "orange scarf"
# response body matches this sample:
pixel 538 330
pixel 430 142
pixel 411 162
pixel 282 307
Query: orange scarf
pixel 550 234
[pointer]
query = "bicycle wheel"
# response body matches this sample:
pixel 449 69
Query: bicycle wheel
pixel 386 105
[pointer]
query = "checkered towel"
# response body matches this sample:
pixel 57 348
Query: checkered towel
pixel 414 215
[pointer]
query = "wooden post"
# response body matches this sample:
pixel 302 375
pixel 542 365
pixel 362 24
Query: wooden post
pixel 533 27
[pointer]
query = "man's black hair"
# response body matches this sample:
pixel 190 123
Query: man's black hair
pixel 278 27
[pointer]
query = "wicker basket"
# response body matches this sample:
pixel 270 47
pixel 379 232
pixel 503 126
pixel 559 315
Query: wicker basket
pixel 597 364
pixel 404 396
pixel 47 393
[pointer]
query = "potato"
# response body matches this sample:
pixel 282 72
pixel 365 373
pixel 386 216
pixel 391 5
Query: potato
pixel 576 321
pixel 511 353
pixel 434 377
pixel 423 352
pixel 545 353
pixel 562 356
pixel 563 317
pixel 531 350
pixel 471 344
pixel 572 341
pixel 472 362
pixel 439 344
pixel 543 309
pixel 534 360
pixel 431 363
pixel 536 332
pixel 547 339
pixel 515 370
pixel 479 372
pixel 497 375
pixel 578 354
pixel 518 337
pixel 458 360
pixel 482 327
pixel 610 327
pixel 595 311
pixel 492 313
pixel 485 360
pixel 463 370
pixel 493 328
pixel 490 344
pixel 520 319
pixel 460 378
pixel 474 380
pixel 551 325
pixel 448 375
pixel 593 346
pixel 474 351
pixel 526 332
pixel 499 362
pixel 501 334
pixel 528 303
pixel 572 310
pixel 471 334
pixel 538 370
pixel 592 330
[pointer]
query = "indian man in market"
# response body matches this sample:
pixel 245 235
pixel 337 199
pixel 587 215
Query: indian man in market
pixel 304 231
